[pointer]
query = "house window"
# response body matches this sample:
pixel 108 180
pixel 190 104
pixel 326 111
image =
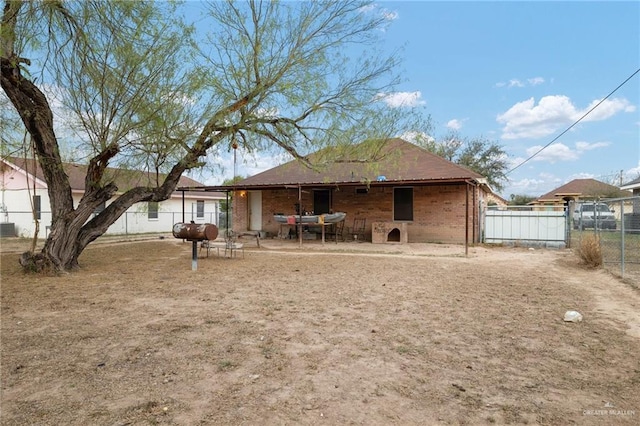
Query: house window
pixel 37 207
pixel 152 210
pixel 321 201
pixel 200 208
pixel 402 203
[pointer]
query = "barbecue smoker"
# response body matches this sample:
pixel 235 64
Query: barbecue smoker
pixel 195 233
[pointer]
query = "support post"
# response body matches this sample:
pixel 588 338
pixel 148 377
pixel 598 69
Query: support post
pixel 299 215
pixel 466 221
pixel 622 231
pixel 194 255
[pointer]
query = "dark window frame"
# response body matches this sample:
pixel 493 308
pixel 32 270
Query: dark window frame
pixel 403 203
pixel 322 201
pixel 152 209
pixel 200 209
pixel 37 207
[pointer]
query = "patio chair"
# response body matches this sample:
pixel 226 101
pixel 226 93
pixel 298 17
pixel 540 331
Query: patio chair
pixel 335 232
pixel 232 245
pixel 357 230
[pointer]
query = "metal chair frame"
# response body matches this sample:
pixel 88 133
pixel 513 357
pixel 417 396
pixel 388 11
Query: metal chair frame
pixel 335 231
pixel 358 230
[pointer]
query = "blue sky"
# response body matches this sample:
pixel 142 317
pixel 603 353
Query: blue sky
pixel 520 73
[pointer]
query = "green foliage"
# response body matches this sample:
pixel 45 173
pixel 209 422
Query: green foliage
pixel 520 200
pixel 141 89
pixel 483 156
pixel 229 182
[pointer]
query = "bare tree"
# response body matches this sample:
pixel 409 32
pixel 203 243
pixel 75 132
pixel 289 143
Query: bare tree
pixel 143 91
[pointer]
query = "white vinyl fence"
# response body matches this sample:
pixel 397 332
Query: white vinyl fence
pixel 526 228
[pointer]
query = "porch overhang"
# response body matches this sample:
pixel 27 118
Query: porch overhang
pixel 329 185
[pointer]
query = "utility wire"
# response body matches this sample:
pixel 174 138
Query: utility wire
pixel 575 123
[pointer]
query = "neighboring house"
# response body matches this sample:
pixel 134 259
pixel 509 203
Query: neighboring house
pixel 634 186
pixel 394 185
pixel 24 191
pixel 577 190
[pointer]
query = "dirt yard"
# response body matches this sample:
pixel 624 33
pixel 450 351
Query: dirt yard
pixel 337 334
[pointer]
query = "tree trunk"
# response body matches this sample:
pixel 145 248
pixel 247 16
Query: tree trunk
pixel 72 228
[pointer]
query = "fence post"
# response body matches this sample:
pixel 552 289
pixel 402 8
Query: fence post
pixel 567 224
pixel 622 238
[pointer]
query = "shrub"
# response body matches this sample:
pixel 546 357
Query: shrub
pixel 589 251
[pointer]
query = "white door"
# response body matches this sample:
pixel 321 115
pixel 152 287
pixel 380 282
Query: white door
pixel 255 210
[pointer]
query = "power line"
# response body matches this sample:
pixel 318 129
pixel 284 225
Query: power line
pixel 576 122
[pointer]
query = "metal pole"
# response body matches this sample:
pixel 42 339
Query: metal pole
pixel 622 238
pixel 466 222
pixel 300 215
pixel 226 215
pixel 194 255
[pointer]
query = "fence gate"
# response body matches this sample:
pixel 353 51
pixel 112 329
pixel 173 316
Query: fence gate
pixel 526 227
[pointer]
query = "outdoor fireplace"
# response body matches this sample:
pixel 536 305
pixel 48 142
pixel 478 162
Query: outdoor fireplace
pixel 389 232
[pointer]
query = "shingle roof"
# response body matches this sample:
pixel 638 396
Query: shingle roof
pixel 394 159
pixel 123 178
pixel 584 188
pixel 634 184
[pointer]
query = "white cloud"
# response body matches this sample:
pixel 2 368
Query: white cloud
pixel 455 124
pixel 586 146
pixel 400 99
pixel 515 161
pixel 631 174
pixel 553 153
pixel 527 186
pixel 417 137
pixel 515 82
pixel 368 8
pixel 535 81
pixel 247 164
pixel 528 120
pixel 607 109
pixel 390 15
pixel 581 175
pixel 561 152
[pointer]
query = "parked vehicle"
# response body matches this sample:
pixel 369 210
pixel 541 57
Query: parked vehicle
pixel 592 215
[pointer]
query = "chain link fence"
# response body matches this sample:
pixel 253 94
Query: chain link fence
pixel 129 223
pixel 616 224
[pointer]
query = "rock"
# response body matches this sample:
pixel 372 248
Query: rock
pixel 572 316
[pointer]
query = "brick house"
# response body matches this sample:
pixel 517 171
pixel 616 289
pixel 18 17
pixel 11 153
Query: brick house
pixel 392 184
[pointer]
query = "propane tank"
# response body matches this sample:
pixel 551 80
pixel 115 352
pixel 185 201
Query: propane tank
pixel 195 231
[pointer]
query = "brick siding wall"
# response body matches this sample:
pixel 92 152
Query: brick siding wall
pixel 438 211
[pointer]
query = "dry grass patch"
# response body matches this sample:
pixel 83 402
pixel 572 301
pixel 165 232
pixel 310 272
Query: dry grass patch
pixel 314 338
pixel 589 251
